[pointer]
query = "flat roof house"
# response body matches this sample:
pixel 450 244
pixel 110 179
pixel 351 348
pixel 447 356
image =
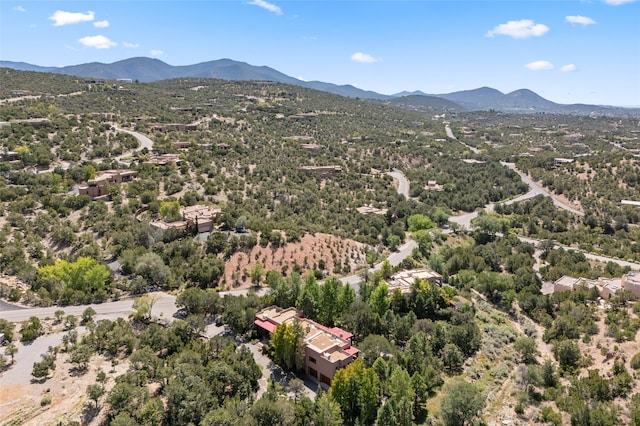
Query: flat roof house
pixel 98 186
pixel 326 349
pixel 405 279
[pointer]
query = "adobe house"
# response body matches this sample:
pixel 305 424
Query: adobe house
pixel 326 349
pixel 321 170
pixel 98 186
pixel 405 279
pixel 202 217
pixel 607 287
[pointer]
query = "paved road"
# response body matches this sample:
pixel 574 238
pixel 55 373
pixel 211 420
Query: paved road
pixel 450 135
pixel 145 142
pixel 403 182
pixel 394 259
pixel 539 189
pixel 403 251
pixel 164 307
pixel 464 221
pixel 590 256
pixel 20 372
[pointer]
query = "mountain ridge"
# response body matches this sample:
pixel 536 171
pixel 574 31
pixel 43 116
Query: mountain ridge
pixel 146 70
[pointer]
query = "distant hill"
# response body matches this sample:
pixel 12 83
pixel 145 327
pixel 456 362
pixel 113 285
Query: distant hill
pixel 425 102
pixel 149 70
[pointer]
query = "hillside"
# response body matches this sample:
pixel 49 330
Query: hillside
pixel 144 69
pixel 147 230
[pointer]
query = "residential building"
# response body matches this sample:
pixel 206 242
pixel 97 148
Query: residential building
pixel 607 287
pixel 163 160
pixel 326 349
pixel 321 170
pixel 405 279
pixel 170 127
pixel 200 217
pixel 562 161
pixel 98 186
pixel 432 185
pixel 203 217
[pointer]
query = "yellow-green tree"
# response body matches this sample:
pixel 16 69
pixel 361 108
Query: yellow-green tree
pixel 73 282
pixel 287 345
pixel 357 389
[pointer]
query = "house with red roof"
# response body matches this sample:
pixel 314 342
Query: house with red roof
pixel 326 349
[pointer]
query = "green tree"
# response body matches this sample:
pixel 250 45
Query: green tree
pixel 88 314
pixel 94 392
pixel 256 273
pixel 327 412
pixel 567 353
pixel 40 370
pixel 461 404
pixel 74 282
pixel 170 211
pixel 31 329
pixel 357 389
pixel 70 322
pixel 11 350
pixel 527 349
pixel 143 306
pixel 152 268
pixel 380 299
pixel 418 222
pixel 287 345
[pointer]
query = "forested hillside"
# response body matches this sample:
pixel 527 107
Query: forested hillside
pixel 305 188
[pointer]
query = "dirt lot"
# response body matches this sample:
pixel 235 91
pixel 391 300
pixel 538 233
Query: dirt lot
pixel 22 401
pixel 308 253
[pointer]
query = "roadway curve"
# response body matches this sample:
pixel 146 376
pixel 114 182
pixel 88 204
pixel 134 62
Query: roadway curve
pixel 464 220
pixel 145 142
pixel 538 189
pixel 403 251
pixel 403 182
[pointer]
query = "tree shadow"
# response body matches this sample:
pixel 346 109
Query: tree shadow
pixel 89 412
pixel 78 371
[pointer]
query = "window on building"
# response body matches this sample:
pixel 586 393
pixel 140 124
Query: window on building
pixel 312 360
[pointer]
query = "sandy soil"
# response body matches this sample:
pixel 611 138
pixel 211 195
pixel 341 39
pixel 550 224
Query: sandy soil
pixel 21 404
pixel 307 253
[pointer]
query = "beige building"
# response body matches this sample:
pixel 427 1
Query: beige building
pixel 98 186
pixel 163 160
pixel 201 217
pixel 607 287
pixel 321 170
pixel 326 349
pixel 405 279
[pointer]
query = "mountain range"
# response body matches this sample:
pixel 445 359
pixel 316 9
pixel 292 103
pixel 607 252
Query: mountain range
pixel 149 70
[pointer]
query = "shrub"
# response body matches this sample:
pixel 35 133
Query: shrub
pixel 635 361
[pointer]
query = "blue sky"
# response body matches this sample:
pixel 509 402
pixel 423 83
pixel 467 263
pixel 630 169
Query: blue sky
pixel 568 51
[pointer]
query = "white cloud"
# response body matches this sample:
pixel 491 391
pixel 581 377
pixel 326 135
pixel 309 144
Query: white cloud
pixel 618 2
pixel 101 24
pixel 524 28
pixel 61 18
pixel 269 6
pixel 19 9
pixel 130 45
pixel 363 58
pixel 582 20
pixel 568 68
pixel 539 65
pixel 156 52
pixel 99 42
